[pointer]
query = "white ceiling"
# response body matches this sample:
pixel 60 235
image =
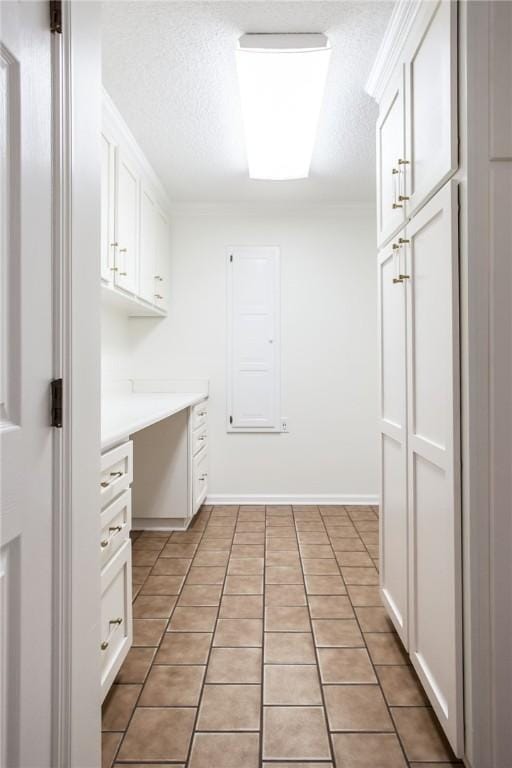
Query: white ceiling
pixel 170 69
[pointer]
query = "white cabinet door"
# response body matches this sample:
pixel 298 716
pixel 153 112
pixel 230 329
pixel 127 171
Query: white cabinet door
pixel 162 255
pixel 431 97
pixel 391 169
pixel 253 376
pixel 148 246
pixel 393 439
pixel 108 196
pixel 127 224
pixel 435 623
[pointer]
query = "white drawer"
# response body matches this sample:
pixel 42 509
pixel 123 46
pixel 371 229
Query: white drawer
pixel 199 414
pixel 116 615
pixel 115 522
pixel 199 439
pixel 116 472
pixel 199 479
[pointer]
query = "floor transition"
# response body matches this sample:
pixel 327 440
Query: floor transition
pixel 260 640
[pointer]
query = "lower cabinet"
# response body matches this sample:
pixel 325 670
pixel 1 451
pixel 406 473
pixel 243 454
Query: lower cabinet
pixel 420 451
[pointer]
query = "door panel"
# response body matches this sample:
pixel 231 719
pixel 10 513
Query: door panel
pixel 148 244
pixel 26 370
pixel 127 224
pixel 431 95
pixel 434 458
pixel 108 193
pixel 393 429
pixel 390 149
pixel 161 284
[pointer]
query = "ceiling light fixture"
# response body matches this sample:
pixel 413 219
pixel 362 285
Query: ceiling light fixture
pixel 282 80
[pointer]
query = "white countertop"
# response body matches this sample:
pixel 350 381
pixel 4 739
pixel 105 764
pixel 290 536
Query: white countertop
pixel 124 414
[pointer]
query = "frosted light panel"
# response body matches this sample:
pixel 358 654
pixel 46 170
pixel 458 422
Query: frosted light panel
pixel 281 95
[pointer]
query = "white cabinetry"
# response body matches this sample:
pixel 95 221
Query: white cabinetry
pixel 135 249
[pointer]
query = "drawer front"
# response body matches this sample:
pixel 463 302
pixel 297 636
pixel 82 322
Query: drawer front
pixel 199 414
pixel 200 479
pixel 115 521
pixel 116 472
pixel 116 615
pixel 199 439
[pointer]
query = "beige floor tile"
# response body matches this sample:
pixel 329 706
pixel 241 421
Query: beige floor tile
pixel 225 750
pixel 135 667
pixel 149 765
pixel 368 596
pixel 247 550
pixel 374 619
pixel 179 550
pixel 309 525
pixel 200 595
pixel 234 665
pixel 249 537
pixel 401 687
pixel 286 619
pixel 282 544
pixel 319 566
pixel 282 559
pixel 172 686
pixel 295 733
pixel 313 551
pixel 243 585
pixel 140 573
pixel 162 585
pixel 357 559
pixel 233 633
pixel 291 684
pixel 385 648
pixel 147 543
pixel 345 665
pixel 360 576
pixel 297 765
pixel 285 594
pixel 209 559
pixel 158 734
pixel 144 557
pixel 184 648
pixel 171 566
pixel 109 745
pixel 313 537
pixel 347 544
pixel 325 585
pixel 214 545
pixel 193 620
pixel 337 633
pixel 136 588
pixel 242 566
pixel 148 632
pixel 420 734
pixel 289 648
pixel 373 550
pixel 359 750
pixel 241 607
pixel 250 527
pixel 118 707
pixel 356 708
pixel 205 575
pixel 153 607
pixel 282 574
pixel 230 708
pixel 330 607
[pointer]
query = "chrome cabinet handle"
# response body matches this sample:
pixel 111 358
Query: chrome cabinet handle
pixel 404 277
pixel 114 245
pixel 113 531
pixel 397 280
pixel 403 162
pixel 160 279
pixel 158 296
pixel 106 483
pixel 123 250
pixel 116 623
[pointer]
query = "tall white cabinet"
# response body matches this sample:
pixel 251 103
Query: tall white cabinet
pixel 415 82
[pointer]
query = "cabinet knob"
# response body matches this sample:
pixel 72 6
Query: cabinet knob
pixel 394 171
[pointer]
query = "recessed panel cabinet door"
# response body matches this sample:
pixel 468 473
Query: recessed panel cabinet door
pixel 108 192
pixel 127 224
pixel 148 245
pixel 431 96
pixel 391 169
pixel 435 634
pixel 393 440
pixel 161 285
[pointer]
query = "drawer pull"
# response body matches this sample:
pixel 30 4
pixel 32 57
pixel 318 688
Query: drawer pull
pixel 113 531
pixel 201 413
pixel 203 437
pixel 203 477
pixel 158 296
pixel 106 483
pixel 159 278
pixel 116 623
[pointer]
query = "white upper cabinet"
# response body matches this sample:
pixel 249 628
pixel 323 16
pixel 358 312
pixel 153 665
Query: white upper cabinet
pixel 431 98
pixel 390 159
pixel 134 227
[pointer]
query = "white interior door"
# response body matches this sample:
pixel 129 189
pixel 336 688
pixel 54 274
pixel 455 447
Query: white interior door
pixel 431 96
pixel 434 457
pixel 393 439
pixel 127 235
pixel 391 150
pixel 253 338
pixel 26 370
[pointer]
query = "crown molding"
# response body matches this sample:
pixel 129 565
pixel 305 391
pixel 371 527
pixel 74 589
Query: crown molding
pixel 275 210
pixel 392 46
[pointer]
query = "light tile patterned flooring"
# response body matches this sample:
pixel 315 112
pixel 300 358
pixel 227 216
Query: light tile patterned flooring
pixel 260 640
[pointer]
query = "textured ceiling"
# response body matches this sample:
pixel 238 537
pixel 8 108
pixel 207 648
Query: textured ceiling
pixel 170 69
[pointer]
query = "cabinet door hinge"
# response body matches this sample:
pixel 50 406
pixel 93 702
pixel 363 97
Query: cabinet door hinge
pixel 231 257
pixel 56 394
pixel 56 16
pixel 230 419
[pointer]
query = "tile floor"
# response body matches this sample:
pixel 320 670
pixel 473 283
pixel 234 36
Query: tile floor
pixel 259 641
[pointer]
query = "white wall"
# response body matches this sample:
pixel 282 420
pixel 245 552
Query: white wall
pixel 329 347
pixel 116 350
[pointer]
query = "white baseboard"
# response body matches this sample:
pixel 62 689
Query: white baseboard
pixel 292 498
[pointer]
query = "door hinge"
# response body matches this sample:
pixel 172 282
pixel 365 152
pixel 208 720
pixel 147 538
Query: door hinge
pixel 56 16
pixel 230 419
pixel 231 257
pixel 56 390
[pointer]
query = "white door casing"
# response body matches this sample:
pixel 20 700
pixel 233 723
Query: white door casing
pixel 435 637
pixel 26 358
pixel 393 439
pixel 253 339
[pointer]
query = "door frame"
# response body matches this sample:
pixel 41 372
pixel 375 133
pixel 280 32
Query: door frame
pixel 76 76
